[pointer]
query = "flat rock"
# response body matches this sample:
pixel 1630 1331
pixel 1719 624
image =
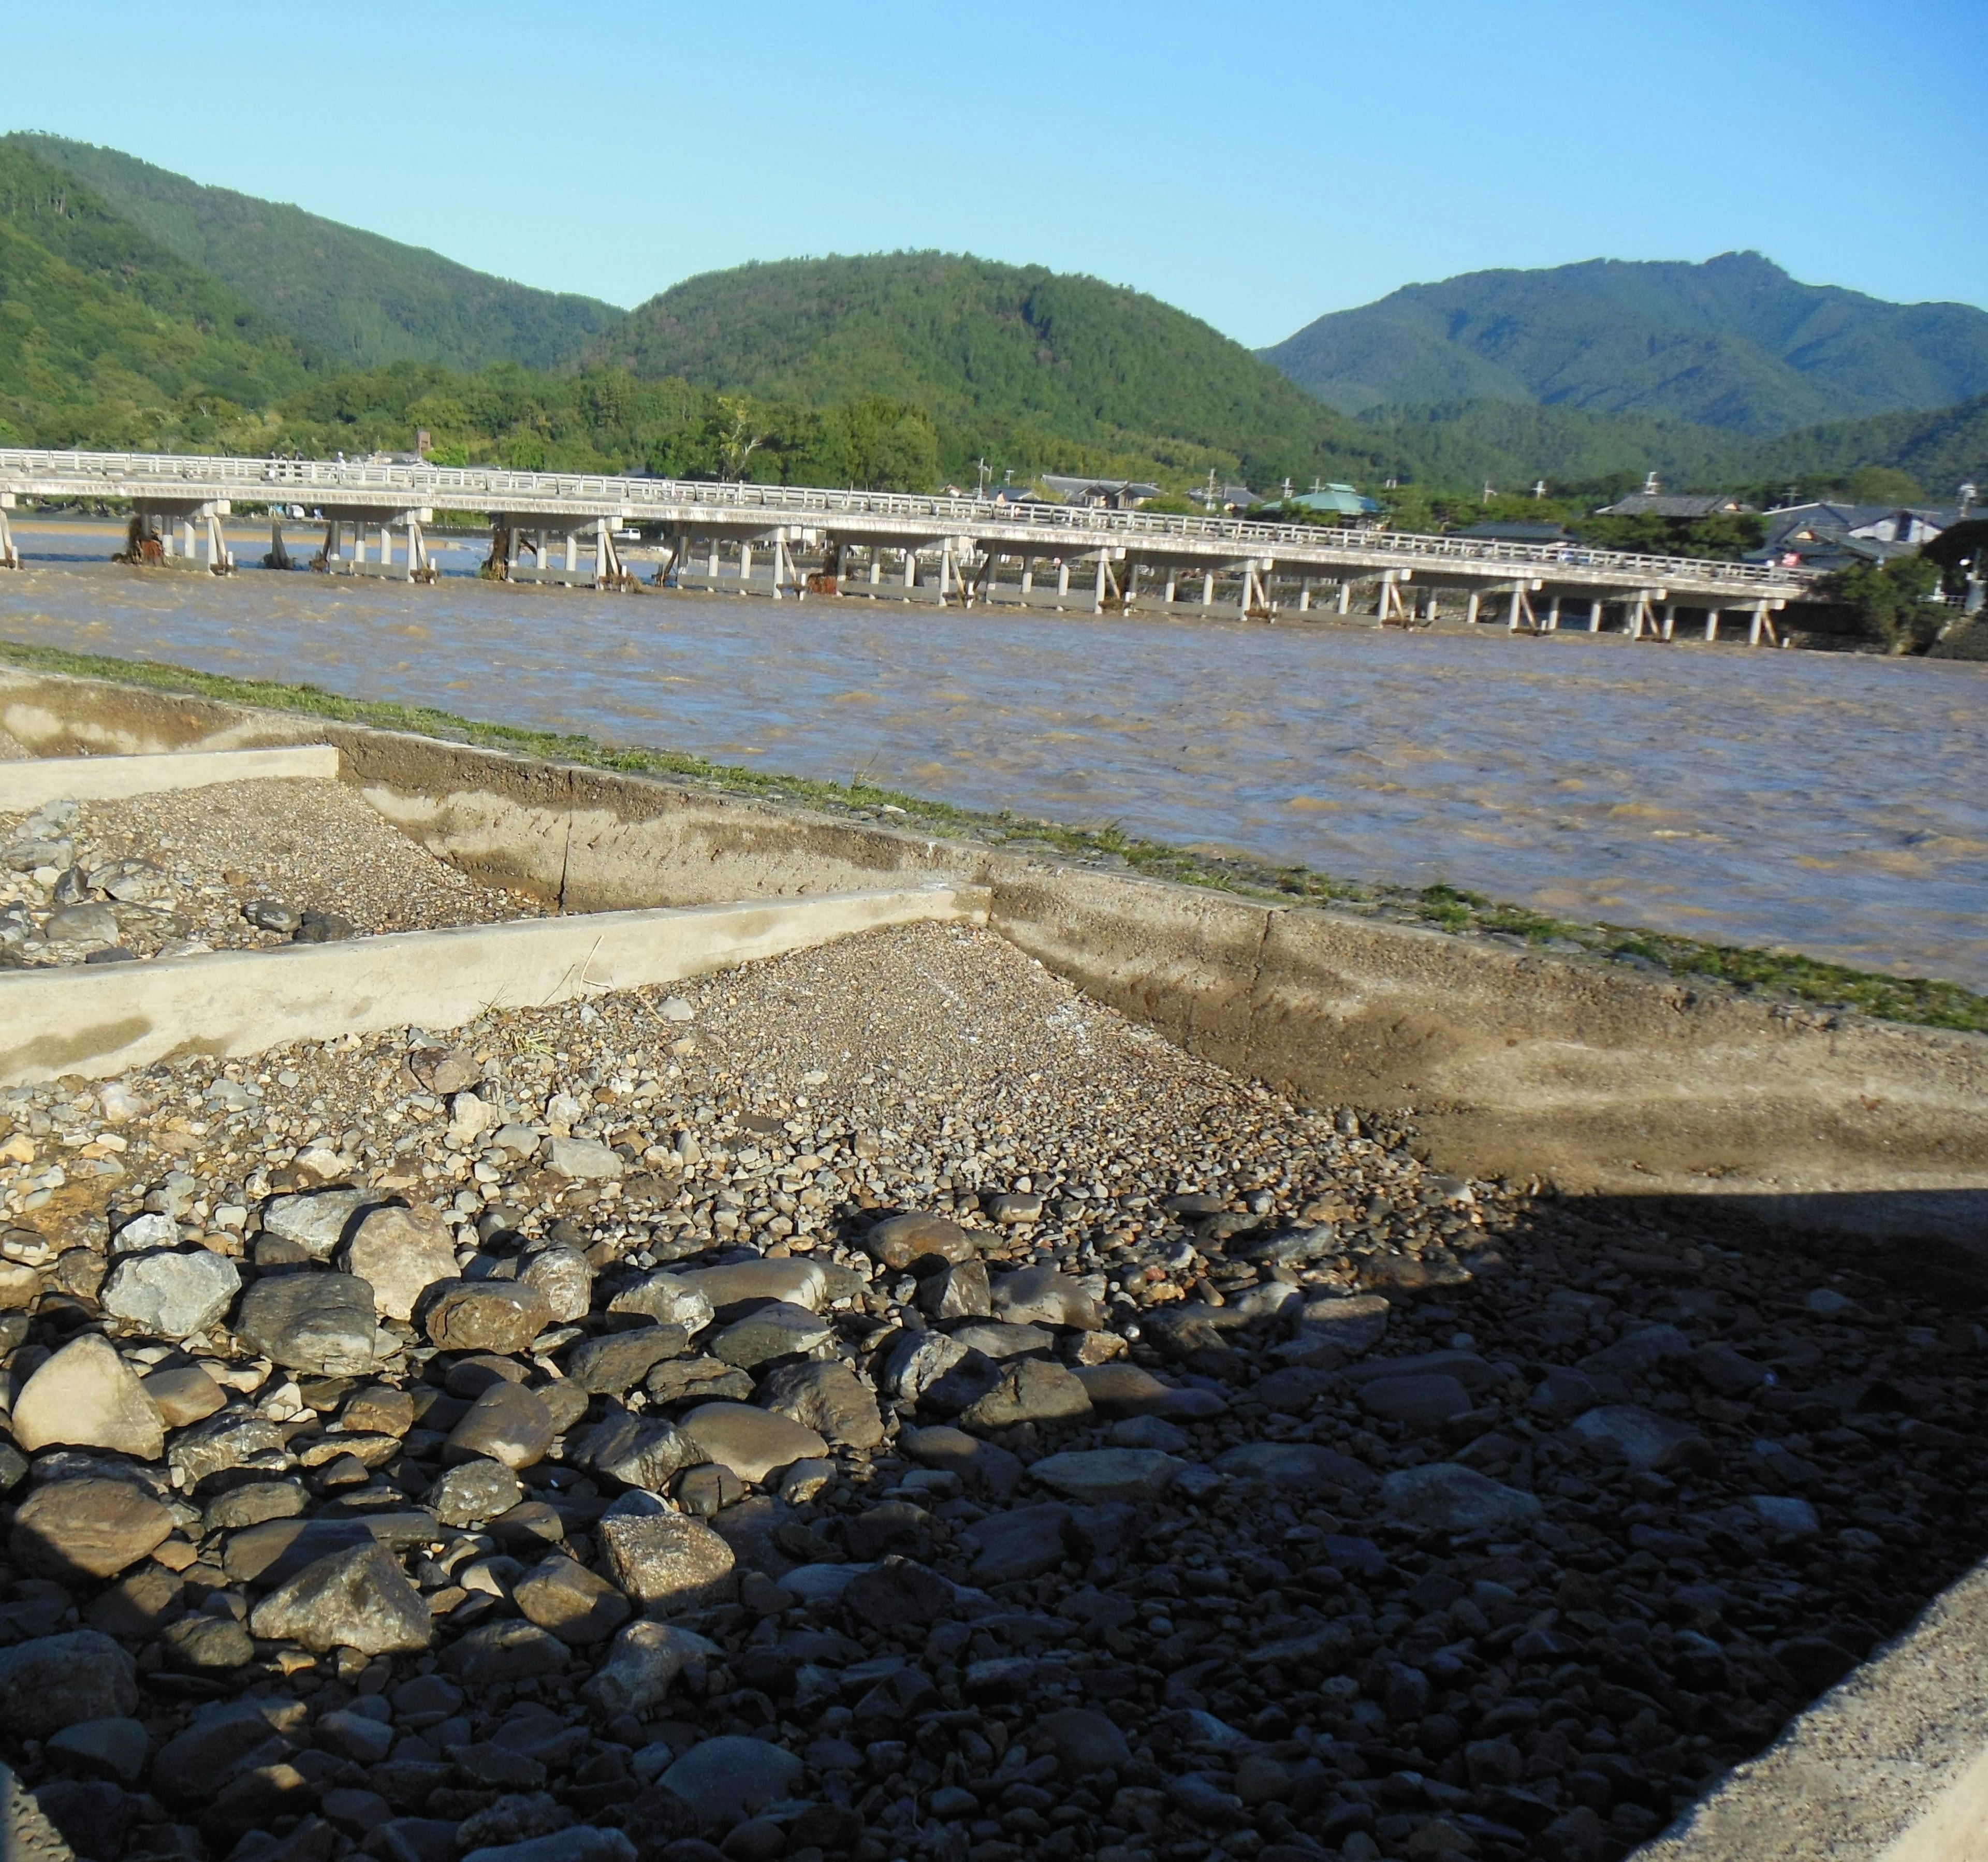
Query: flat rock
pixel 1467 1367
pixel 577 1842
pixel 359 1600
pixel 898 1240
pixel 726 1779
pixel 773 1331
pixel 183 1393
pixel 1041 1295
pixel 570 1600
pixel 961 1290
pixel 898 1591
pixel 1301 1467
pixel 999 1339
pixel 752 1443
pixel 507 1423
pixel 1149 1432
pixel 794 1282
pixel 86 1397
pixel 400 1253
pixel 311 1321
pixel 984 1468
pixel 1338 1328
pixel 1639 1352
pixel 497 1315
pixel 171 1293
pixel 91 1527
pixel 1422 1403
pixel 114 1749
pixel 1446 1497
pixel 1028 1390
pixel 1641 1437
pixel 1125 1390
pixel 1027 1542
pixel 666 1561
pixel 469 1497
pixel 1083 1740
pixel 494 1652
pixel 583 1160
pixel 667 1298
pixel 51 1682
pixel 562 1274
pixel 607 1367
pixel 318 1219
pixel 642 1451
pixel 1097 1477
pixel 828 1398
pixel 643 1660
pixel 916 1360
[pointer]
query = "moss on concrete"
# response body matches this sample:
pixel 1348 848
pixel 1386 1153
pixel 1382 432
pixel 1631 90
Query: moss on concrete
pixel 1780 973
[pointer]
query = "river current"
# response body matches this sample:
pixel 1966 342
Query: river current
pixel 1834 804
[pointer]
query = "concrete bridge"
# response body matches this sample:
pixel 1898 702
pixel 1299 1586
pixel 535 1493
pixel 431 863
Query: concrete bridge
pixel 793 540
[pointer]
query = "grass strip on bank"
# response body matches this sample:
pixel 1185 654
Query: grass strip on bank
pixel 1780 975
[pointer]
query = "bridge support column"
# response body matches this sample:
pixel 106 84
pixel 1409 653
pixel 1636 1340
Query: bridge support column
pixel 1670 618
pixel 1172 579
pixel 1345 602
pixel 876 566
pixel 1710 623
pixel 745 566
pixel 1207 588
pixel 1553 615
pixel 1028 577
pixel 911 572
pixel 1103 579
pixel 1304 595
pixel 10 557
pixel 1760 624
pixel 1062 581
pixel 1594 615
pixel 1519 610
pixel 1470 607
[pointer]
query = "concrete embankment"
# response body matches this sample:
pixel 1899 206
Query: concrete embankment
pixel 1516 1063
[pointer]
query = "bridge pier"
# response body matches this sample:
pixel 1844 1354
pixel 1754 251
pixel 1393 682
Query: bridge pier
pixel 416 566
pixel 1552 624
pixel 199 523
pixel 10 557
pixel 512 533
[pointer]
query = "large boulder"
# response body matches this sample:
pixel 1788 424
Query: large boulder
pixel 311 1321
pixel 357 1600
pixel 503 1316
pixel 752 1443
pixel 665 1560
pixel 828 1398
pixel 91 1527
pixel 55 1681
pixel 86 1397
pixel 400 1253
pixel 171 1293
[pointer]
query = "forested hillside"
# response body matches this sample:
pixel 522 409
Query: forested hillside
pixel 1734 342
pixel 363 299
pixel 108 339
pixel 1037 371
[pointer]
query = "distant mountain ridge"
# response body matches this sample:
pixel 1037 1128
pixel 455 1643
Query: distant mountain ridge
pixel 1033 366
pixel 362 299
pixel 1734 342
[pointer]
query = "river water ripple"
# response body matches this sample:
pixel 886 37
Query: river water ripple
pixel 1836 804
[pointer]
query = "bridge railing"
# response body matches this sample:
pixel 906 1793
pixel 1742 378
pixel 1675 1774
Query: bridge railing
pixel 491 488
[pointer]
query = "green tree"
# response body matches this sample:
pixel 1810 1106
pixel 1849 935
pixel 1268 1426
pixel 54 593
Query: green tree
pixel 1893 601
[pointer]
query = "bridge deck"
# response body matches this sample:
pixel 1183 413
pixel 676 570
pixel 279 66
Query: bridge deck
pixel 892 520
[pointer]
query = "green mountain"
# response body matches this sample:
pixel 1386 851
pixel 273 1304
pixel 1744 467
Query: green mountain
pixel 362 299
pixel 108 339
pixel 1034 370
pixel 1734 342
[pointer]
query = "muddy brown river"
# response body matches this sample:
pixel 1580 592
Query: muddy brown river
pixel 1833 803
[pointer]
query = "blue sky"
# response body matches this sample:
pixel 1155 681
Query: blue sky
pixel 1257 166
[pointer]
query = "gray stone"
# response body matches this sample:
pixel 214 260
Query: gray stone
pixel 183 1393
pixel 153 1228
pixel 1422 1403
pixel 253 1504
pixel 578 1843
pixel 1641 1437
pixel 774 1331
pixel 667 1298
pixel 506 1423
pixel 752 1443
pixel 1016 1206
pixel 172 1295
pixel 1149 1432
pixel 200 1643
pixel 472 1495
pixel 1269 1299
pixel 400 1253
pixel 1083 1740
pixel 607 1367
pixel 235 1437
pixel 275 1552
pixel 897 1592
pixel 76 1530
pixel 1042 1296
pixel 55 1681
pixel 88 923
pixel 794 1282
pixel 643 1661
pixel 1561 1393
pixel 1028 1390
pixel 311 1321
pixel 638 1451
pixel 698 1379
pixel 829 1398
pixel 1027 1542
pixel 86 1397
pixel 358 1599
pixel 916 1360
pixel 318 1219
pixel 494 1315
pixel 1292 1248
pixel 1466 1367
pixel 666 1561
pixel 357 1736
pixel 582 1159
pixel 570 1600
pixel 1332 1330
pixel 997 1340
pixel 1639 1352
pixel 1785 1514
pixel 959 1291
pixel 1097 1477
pixel 115 1749
pixel 494 1653
pixel 1727 1371
pixel 985 1469
pixel 1301 1467
pixel 1446 1497
pixel 898 1240
pixel 1125 1390
pixel 562 1274
pixel 726 1779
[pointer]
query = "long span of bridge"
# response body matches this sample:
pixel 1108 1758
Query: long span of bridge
pixel 553 526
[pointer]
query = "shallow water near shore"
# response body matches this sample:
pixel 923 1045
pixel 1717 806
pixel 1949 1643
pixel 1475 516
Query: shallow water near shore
pixel 1834 805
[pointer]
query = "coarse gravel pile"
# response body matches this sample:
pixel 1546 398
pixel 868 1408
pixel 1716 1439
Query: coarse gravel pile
pixel 877 1403
pixel 240 865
